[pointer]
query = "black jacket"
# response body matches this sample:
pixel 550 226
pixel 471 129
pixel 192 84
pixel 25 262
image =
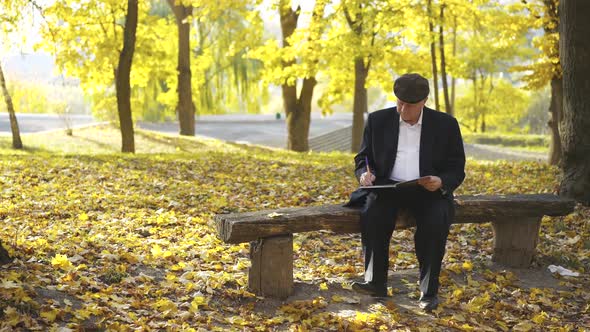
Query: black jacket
pixel 441 149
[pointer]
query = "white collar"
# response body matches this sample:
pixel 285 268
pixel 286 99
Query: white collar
pixel 417 123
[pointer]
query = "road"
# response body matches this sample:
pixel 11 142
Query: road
pixel 261 129
pixel 257 129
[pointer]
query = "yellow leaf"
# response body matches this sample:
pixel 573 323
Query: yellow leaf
pixel 476 303
pixel 83 217
pixel 197 302
pixel 9 284
pixel 467 327
pixel 163 305
pixel 274 215
pixel 523 326
pixel 467 266
pixel 62 262
pixel 540 317
pixel 459 317
pixel 50 315
pixel 323 286
pixel 11 316
pixel 157 252
pixel 337 298
pixel 455 268
pixel 178 267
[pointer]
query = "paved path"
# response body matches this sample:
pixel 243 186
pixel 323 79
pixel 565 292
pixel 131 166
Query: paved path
pixel 35 123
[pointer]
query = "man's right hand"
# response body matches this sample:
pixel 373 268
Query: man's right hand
pixel 367 179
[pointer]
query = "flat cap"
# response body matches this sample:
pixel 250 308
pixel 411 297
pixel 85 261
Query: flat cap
pixel 411 88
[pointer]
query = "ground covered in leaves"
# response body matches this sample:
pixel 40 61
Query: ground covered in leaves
pixel 104 241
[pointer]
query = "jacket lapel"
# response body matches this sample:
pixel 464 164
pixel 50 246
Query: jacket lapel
pixel 426 137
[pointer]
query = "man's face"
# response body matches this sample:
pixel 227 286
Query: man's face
pixel 410 112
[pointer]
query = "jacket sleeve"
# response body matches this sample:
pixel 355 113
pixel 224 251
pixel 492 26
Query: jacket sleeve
pixel 453 173
pixel 364 151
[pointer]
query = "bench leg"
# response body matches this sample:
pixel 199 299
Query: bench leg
pixel 271 273
pixel 515 242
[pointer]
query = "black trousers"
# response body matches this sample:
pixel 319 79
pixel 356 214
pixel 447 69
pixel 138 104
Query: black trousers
pixel 433 215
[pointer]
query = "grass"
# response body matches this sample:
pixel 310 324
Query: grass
pixel 104 139
pixel 520 142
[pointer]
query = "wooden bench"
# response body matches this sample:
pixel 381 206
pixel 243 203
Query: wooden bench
pixel 515 220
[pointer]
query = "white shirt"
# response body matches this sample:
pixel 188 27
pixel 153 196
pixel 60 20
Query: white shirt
pixel 407 160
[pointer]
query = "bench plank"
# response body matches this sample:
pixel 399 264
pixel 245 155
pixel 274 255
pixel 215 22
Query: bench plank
pixel 249 226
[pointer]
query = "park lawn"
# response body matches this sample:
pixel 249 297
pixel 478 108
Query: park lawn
pixel 124 242
pixel 516 142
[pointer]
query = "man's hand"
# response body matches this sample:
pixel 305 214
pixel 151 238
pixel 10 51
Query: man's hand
pixel 430 183
pixel 367 179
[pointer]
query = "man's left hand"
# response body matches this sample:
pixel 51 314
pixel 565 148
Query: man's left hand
pixel 430 183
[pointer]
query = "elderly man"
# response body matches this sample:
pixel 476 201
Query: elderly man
pixel 403 143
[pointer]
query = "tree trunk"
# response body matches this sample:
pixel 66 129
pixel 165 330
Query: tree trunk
pixel 4 257
pixel 574 47
pixel 360 104
pixel 551 26
pixel 16 141
pixel 556 109
pixel 453 81
pixel 292 106
pixel 361 71
pixel 475 100
pixel 299 119
pixel 298 110
pixel 122 78
pixel 433 55
pixel 443 66
pixel 185 107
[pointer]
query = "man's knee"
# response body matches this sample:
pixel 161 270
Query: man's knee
pixel 379 209
pixel 436 215
pixel 376 203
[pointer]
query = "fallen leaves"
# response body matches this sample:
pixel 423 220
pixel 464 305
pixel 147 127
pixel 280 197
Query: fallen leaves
pixel 129 243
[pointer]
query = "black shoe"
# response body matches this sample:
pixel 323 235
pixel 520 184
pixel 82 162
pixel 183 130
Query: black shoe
pixel 369 288
pixel 428 303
